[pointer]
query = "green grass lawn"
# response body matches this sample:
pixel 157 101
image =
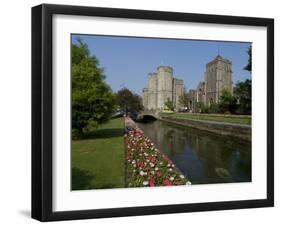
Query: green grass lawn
pixel 98 161
pixel 240 119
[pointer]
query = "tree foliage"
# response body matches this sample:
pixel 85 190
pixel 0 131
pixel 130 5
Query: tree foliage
pixel 227 102
pixel 212 108
pixel 184 100
pixel 243 92
pixel 169 105
pixel 201 108
pixel 215 108
pixel 248 67
pixel 129 101
pixel 92 99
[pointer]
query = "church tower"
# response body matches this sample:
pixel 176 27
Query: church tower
pixel 218 76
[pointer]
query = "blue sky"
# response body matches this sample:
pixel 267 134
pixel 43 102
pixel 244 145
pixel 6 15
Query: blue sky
pixel 127 60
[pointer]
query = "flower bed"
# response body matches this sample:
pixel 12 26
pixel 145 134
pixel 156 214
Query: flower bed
pixel 146 165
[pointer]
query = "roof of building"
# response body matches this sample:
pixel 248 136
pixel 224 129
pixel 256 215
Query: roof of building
pixel 219 58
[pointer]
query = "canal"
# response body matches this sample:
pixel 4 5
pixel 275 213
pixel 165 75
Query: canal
pixel 203 157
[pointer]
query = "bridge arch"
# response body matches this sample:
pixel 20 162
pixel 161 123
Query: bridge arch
pixel 148 115
pixel 148 118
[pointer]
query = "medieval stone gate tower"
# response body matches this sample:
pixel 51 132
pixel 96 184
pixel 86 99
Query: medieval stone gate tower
pixel 162 87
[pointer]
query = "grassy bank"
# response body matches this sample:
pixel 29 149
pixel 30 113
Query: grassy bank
pixel 98 161
pixel 212 117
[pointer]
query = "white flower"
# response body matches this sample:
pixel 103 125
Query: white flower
pixel 156 168
pixel 170 169
pixel 134 161
pixel 145 183
pixel 172 178
pixel 152 172
pixel 173 165
pixel 181 176
pixel 160 163
pixel 188 183
pixel 147 160
pixel 168 165
pixel 151 164
pixel 134 165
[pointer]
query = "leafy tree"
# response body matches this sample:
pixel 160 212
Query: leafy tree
pixel 169 105
pixel 214 108
pixel 227 102
pixel 248 67
pixel 129 101
pixel 243 93
pixel 184 100
pixel 201 108
pixel 92 99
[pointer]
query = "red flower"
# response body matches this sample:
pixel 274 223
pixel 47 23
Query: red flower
pixel 140 164
pixel 129 156
pixel 147 168
pixel 151 183
pixel 167 182
pixel 159 174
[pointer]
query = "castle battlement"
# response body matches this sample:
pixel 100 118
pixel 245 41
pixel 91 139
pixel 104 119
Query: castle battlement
pixel 166 69
pixel 152 74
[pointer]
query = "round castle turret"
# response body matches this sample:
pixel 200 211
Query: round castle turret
pixel 165 85
pixel 152 87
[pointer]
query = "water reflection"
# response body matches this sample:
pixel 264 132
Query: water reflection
pixel 201 156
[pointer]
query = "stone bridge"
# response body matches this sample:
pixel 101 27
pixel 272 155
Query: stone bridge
pixel 149 115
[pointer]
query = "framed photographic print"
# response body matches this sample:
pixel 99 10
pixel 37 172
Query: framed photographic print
pixel 145 112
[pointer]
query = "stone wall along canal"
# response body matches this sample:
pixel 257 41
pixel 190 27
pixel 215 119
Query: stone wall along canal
pixel 203 157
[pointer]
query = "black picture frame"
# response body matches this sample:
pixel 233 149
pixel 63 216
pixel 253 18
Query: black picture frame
pixel 42 111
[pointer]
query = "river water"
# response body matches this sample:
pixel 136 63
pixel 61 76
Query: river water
pixel 203 157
